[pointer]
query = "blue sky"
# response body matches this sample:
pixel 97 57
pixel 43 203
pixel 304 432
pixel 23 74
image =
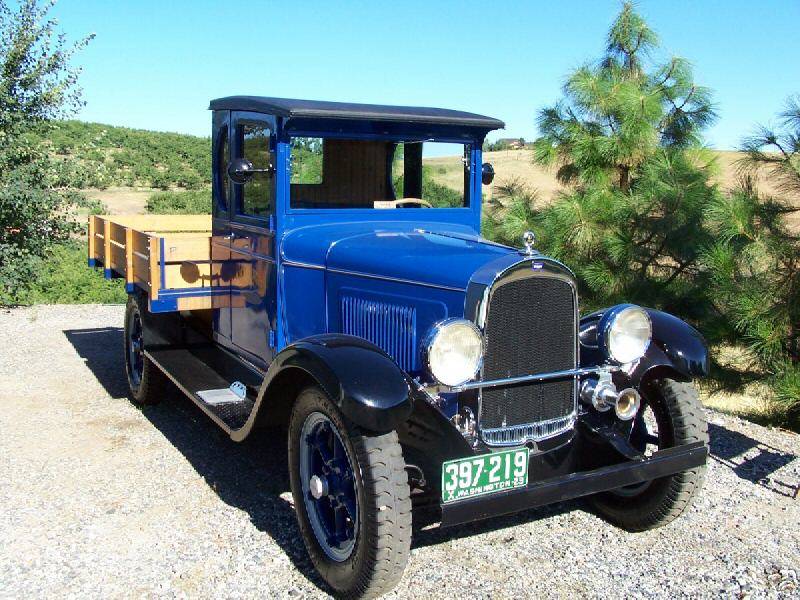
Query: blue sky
pixel 155 64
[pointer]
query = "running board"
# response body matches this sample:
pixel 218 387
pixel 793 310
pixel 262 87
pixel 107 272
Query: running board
pixel 221 385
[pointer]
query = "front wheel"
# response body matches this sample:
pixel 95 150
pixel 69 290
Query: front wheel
pixel 351 497
pixel 670 415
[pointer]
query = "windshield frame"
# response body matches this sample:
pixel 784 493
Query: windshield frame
pixel 472 151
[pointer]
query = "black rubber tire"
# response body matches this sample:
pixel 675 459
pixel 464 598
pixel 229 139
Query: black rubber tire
pixel 153 384
pixel 678 408
pixel 383 542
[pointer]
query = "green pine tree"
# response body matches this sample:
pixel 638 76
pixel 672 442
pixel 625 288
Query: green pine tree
pixel 625 139
pixel 755 261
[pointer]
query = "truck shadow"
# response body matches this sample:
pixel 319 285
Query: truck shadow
pixel 751 459
pixel 252 476
pixel 101 350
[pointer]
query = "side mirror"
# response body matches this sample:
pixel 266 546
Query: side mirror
pixel 487 173
pixel 241 170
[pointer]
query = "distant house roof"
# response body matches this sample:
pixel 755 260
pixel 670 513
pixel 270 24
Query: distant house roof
pixel 318 109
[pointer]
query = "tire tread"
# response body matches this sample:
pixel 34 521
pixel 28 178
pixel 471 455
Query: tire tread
pixel 670 499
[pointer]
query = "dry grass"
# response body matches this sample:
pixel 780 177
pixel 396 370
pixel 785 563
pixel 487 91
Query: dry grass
pixel 122 200
pixel 518 165
pixel 752 402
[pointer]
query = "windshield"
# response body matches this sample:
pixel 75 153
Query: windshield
pixel 342 173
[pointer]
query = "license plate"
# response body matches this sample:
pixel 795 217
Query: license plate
pixel 485 474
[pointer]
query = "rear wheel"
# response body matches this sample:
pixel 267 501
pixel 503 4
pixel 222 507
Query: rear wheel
pixel 146 382
pixel 671 415
pixel 351 496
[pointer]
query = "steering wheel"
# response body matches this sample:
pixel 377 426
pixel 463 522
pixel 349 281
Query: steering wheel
pixel 422 203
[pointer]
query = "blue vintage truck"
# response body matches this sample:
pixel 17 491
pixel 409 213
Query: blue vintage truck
pixel 341 292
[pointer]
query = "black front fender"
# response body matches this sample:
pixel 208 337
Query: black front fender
pixel 364 382
pixel 676 346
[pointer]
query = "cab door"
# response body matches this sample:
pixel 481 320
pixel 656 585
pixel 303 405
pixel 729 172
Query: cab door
pixel 253 290
pixel 221 227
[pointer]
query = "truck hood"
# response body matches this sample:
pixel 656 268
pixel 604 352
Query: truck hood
pixel 427 254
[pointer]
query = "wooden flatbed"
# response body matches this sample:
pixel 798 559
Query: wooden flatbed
pixel 166 256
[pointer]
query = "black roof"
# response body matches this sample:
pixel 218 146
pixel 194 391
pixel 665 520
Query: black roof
pixel 318 109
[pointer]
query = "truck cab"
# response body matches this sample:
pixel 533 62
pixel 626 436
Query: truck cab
pixel 305 191
pixel 342 292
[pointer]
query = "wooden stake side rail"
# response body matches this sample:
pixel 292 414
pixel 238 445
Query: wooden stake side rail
pixel 167 256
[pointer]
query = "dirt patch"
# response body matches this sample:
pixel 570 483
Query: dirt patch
pixel 122 200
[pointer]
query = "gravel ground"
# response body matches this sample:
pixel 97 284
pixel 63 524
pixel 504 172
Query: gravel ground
pixel 99 498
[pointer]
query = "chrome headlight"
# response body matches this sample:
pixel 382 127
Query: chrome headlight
pixel 625 332
pixel 454 351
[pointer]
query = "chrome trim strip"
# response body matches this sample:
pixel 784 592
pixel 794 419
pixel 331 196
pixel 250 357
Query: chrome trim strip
pixel 294 263
pixel 302 265
pixel 519 434
pixel 475 385
pixel 397 280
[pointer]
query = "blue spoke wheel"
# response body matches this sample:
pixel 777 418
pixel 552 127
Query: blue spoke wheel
pixel 351 495
pixel 135 348
pixel 329 486
pixel 146 382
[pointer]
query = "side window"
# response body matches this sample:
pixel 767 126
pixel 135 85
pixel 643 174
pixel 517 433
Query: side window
pixel 306 160
pixel 255 198
pixel 222 158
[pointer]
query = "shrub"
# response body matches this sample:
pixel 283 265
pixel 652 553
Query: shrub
pixel 64 278
pixel 753 264
pixel 624 141
pixel 176 203
pixel 37 85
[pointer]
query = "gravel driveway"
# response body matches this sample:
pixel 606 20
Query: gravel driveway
pixel 99 498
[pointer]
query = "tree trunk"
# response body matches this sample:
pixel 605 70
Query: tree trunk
pixel 624 178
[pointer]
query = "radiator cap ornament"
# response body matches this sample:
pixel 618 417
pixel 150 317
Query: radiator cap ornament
pixel 529 239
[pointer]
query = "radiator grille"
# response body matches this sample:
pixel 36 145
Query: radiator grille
pixel 530 328
pixel 391 327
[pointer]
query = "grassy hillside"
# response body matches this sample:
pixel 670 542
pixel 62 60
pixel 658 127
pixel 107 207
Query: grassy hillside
pixel 122 167
pixel 99 156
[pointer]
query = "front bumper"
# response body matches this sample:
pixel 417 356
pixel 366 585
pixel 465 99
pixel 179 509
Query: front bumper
pixel 557 489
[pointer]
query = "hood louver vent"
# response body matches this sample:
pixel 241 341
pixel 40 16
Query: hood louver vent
pixel 391 327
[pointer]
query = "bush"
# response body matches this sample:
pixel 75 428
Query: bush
pixel 31 219
pixel 37 85
pixel 753 264
pixel 193 202
pixel 131 156
pixel 64 278
pixel 624 142
pixel 641 221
